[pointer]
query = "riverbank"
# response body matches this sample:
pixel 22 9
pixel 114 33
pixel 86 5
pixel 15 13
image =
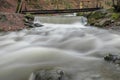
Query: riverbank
pixel 107 19
pixel 11 21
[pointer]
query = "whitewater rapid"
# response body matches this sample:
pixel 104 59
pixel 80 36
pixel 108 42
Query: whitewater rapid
pixel 74 48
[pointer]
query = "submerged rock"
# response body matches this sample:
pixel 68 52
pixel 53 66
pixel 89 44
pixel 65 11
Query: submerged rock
pixel 33 25
pixel 48 74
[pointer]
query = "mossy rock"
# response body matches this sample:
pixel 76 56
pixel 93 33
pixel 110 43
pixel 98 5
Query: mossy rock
pixel 97 15
pixel 80 14
pixel 111 10
pixel 29 16
pixel 91 21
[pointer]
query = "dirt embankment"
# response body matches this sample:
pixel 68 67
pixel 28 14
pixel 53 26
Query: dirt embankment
pixel 8 6
pixel 9 20
pixel 105 19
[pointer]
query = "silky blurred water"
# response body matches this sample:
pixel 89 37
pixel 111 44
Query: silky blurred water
pixel 64 43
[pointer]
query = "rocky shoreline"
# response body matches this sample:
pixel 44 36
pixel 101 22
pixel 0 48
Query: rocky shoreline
pixel 15 22
pixel 106 19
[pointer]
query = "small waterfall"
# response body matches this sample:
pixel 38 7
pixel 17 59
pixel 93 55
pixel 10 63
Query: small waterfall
pixel 73 14
pixel 37 20
pixel 61 19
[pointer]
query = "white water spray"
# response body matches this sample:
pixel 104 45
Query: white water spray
pixel 64 43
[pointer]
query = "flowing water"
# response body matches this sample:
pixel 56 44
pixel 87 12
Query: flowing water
pixel 64 43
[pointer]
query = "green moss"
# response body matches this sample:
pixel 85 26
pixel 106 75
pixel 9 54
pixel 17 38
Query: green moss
pixel 111 10
pixel 80 14
pixel 97 15
pixel 29 16
pixel 91 21
pixel 115 16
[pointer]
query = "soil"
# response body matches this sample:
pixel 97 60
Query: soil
pixel 11 21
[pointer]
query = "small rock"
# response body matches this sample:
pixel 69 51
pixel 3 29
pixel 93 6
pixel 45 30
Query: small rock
pixel 112 21
pixel 112 58
pixel 37 25
pixel 48 74
pixel 26 20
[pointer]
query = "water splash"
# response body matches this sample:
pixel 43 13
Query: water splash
pixel 60 20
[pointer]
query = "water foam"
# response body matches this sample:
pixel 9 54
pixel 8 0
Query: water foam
pixel 74 48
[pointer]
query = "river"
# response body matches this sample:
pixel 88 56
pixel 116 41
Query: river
pixel 63 42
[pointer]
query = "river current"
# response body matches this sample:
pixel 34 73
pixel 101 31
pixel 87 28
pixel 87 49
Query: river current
pixel 63 42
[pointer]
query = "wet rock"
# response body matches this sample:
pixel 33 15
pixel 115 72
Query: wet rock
pixel 29 21
pixel 29 16
pixel 48 74
pixel 26 20
pixel 112 58
pixel 30 24
pixel 37 25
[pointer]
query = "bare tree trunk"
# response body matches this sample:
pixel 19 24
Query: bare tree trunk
pixel 19 6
